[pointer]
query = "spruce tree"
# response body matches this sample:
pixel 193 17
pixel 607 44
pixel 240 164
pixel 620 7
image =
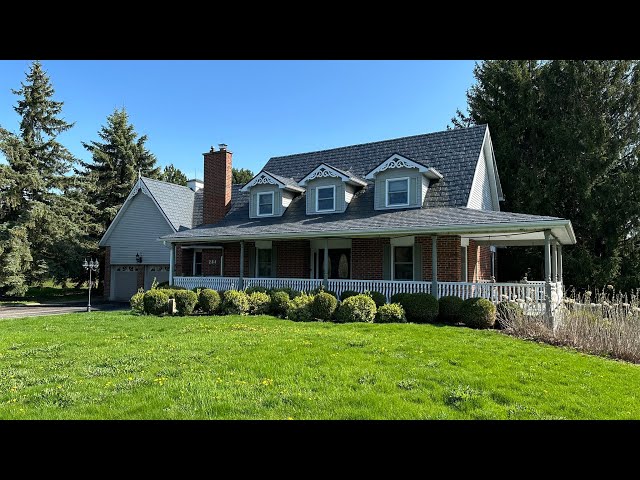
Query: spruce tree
pixel 567 136
pixel 114 166
pixel 241 176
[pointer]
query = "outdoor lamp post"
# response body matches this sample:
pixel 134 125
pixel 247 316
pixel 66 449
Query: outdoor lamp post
pixel 92 266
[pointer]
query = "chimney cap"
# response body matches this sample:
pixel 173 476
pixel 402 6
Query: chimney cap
pixel 223 146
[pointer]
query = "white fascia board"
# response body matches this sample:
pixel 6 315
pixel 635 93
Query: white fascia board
pixel 398 161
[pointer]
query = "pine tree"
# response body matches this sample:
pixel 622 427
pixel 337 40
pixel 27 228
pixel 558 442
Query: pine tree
pixel 172 174
pixel 114 166
pixel 567 141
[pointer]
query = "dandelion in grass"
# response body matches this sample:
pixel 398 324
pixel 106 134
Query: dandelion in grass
pixel 267 382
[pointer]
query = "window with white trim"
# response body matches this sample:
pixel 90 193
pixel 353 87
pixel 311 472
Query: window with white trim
pixel 265 204
pixel 197 262
pixel 263 262
pixel 397 192
pixel 403 263
pixel 326 199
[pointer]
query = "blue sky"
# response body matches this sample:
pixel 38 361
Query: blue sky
pixel 259 108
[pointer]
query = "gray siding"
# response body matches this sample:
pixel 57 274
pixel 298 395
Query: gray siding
pixel 341 203
pixel 277 200
pixel 415 187
pixel 480 197
pixel 137 231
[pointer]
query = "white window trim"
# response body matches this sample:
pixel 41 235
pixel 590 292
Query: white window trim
pixel 333 209
pixel 273 206
pixel 193 268
pixel 393 264
pixel 386 192
pixel 257 265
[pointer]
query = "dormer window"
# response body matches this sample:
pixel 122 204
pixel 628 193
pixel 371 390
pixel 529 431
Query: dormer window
pixel 326 199
pixel 398 192
pixel 265 204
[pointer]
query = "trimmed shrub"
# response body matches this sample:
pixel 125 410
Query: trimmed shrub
pixel 137 301
pixel 299 308
pixel 256 288
pixel 419 307
pixel 209 301
pixel 166 286
pixel 319 289
pixel 289 291
pixel 506 313
pixel 258 303
pixel 397 298
pixel 450 309
pixel 155 302
pixel 323 306
pixel 185 301
pixel 359 308
pixel 390 313
pixel 279 303
pixel 235 303
pixel 378 297
pixel 348 293
pixel 478 313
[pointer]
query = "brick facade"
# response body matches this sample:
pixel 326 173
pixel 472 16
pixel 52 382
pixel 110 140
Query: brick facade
pixel 211 259
pixel 366 258
pixel 184 262
pixel 449 258
pixel 293 258
pixel 232 259
pixel 107 273
pixel 479 262
pixel 217 185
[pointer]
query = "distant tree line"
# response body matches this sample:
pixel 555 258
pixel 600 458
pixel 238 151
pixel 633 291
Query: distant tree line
pixel 54 208
pixel 566 136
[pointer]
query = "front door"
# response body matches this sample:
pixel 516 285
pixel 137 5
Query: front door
pixel 339 263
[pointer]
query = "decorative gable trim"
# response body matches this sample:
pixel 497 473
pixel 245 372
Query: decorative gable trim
pixel 325 171
pixel 265 178
pixel 398 161
pixel 139 186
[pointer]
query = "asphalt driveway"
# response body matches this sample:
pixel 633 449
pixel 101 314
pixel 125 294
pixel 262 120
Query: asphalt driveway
pixel 20 311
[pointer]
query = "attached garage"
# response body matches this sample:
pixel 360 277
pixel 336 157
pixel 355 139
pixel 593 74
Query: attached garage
pixel 124 284
pixel 159 272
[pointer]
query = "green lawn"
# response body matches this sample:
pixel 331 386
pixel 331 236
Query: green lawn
pixel 48 293
pixel 119 365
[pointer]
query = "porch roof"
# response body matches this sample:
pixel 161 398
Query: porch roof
pixel 490 227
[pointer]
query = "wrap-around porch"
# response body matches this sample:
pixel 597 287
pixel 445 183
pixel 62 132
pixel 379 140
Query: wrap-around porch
pixel 462 265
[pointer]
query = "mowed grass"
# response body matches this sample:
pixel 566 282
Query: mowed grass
pixel 120 365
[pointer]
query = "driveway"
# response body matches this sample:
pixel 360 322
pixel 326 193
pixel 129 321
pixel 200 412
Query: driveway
pixel 19 311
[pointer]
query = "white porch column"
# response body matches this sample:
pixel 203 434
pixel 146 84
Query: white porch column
pixel 559 263
pixel 434 266
pixel 325 264
pixel 464 260
pixel 171 262
pixel 554 262
pixel 241 277
pixel 547 273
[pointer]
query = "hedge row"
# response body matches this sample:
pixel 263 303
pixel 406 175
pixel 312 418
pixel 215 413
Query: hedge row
pixel 324 306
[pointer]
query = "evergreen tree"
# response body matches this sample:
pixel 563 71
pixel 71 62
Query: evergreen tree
pixel 241 176
pixel 566 137
pixel 114 166
pixel 44 226
pixel 172 174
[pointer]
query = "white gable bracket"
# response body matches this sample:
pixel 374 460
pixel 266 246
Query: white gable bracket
pixel 325 171
pixel 398 161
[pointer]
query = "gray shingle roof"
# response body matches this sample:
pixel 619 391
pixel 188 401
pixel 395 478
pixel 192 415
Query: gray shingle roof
pixel 176 201
pixel 288 181
pixel 454 153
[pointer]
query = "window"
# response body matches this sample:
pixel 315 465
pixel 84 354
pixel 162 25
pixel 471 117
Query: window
pixel 326 199
pixel 263 262
pixel 265 204
pixel 403 263
pixel 397 192
pixel 197 262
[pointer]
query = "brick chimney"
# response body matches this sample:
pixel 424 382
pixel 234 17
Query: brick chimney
pixel 217 184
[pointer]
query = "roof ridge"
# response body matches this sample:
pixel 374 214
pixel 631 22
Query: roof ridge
pixel 163 181
pixel 382 141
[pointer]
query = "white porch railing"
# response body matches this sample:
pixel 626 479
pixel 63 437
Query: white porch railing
pixel 386 287
pixel 215 283
pixel 302 284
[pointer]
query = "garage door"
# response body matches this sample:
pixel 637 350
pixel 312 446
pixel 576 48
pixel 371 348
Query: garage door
pixel 159 272
pixel 124 285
